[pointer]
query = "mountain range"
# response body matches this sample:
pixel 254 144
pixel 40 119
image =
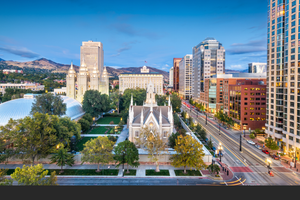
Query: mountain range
pixel 44 63
pixel 50 65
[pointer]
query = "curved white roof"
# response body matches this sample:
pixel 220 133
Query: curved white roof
pixel 20 108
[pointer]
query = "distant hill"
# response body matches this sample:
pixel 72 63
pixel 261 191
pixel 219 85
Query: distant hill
pixel 50 65
pixel 42 63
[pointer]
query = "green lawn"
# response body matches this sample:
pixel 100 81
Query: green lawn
pixel 132 172
pixel 189 173
pixel 152 172
pixel 106 172
pixel 79 145
pixel 101 130
pixel 107 120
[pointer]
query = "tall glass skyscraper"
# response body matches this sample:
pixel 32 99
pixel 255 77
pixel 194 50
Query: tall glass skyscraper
pixel 208 60
pixel 283 81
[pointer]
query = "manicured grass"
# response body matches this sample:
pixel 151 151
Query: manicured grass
pixel 107 120
pixel 188 173
pixel 79 145
pixel 100 130
pixel 132 172
pixel 151 172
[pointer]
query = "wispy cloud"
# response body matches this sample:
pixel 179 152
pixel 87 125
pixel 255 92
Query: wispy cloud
pixel 131 31
pixel 23 52
pixel 126 46
pixel 250 47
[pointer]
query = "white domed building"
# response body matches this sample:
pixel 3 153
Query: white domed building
pixel 20 108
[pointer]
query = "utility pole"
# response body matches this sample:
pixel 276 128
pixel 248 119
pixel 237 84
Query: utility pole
pixel 241 143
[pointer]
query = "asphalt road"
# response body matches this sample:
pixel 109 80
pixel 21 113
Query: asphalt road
pixel 136 181
pixel 255 159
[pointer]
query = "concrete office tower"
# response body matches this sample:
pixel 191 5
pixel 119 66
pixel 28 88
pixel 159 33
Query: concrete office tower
pixel 208 60
pixel 171 77
pixel 257 68
pixel 176 74
pixel 95 79
pixel 92 52
pixel 185 77
pixel 283 108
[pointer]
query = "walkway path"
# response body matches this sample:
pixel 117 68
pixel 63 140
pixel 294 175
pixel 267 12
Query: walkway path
pixel 105 125
pixel 97 135
pixel 123 135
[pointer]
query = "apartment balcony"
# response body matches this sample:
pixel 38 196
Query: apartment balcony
pixel 278 136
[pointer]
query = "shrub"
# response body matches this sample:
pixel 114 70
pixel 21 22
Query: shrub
pixel 252 136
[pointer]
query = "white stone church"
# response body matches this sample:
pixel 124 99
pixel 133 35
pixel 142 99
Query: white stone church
pixel 151 115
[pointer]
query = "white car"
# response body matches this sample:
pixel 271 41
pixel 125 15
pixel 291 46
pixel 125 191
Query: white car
pixel 250 142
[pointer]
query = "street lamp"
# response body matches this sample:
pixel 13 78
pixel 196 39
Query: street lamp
pixel 220 148
pixel 241 143
pixel 268 161
pixel 244 130
pixel 294 150
pixel 219 129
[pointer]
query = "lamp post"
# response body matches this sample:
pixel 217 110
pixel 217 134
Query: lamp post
pixel 219 129
pixel 241 143
pixel 206 118
pixel 244 130
pixel 220 148
pixel 294 150
pixel 268 161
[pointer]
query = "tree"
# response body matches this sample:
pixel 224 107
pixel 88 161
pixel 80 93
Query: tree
pixel 150 141
pixel 3 180
pixel 183 114
pixel 62 158
pixel 126 152
pixel 176 102
pixel 172 139
pixel 271 144
pixel 98 150
pixel 50 104
pixel 189 153
pixel 213 168
pixel 161 99
pixel 85 125
pixel 37 136
pixel 95 103
pixel 33 175
pixel 112 138
pixel 210 144
pixel 114 100
pixel 252 136
pixel 191 122
pixel 88 117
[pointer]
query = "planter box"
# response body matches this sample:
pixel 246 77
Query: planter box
pixel 214 178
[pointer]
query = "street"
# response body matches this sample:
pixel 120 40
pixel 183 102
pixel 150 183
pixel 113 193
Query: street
pixel 250 163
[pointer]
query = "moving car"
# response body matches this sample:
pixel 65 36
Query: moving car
pixel 265 151
pixel 258 146
pixel 275 157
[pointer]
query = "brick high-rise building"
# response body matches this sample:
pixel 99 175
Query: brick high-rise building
pixel 176 74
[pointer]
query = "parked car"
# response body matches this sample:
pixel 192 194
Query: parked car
pixel 250 142
pixel 265 151
pixel 258 146
pixel 275 157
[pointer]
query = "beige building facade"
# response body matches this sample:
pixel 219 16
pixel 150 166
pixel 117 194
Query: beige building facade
pixel 90 76
pixel 141 80
pixel 33 87
pixel 185 76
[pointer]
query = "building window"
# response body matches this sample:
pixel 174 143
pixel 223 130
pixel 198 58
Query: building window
pixel 136 134
pixel 165 134
pixel 246 93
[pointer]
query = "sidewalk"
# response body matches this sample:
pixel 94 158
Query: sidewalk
pixel 105 125
pixel 288 166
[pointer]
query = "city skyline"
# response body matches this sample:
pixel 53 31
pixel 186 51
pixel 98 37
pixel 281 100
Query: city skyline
pixel 133 32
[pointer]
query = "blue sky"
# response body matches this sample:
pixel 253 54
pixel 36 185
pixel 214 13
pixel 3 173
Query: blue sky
pixel 132 32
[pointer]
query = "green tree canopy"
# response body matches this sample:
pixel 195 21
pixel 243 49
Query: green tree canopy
pixel 176 102
pixel 3 180
pixel 189 153
pixel 95 103
pixel 214 168
pixel 85 125
pixel 161 100
pixel 33 175
pixel 172 139
pixel 126 152
pixel 62 157
pixel 50 104
pixel 271 144
pixel 37 136
pixel 98 150
pixel 88 117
